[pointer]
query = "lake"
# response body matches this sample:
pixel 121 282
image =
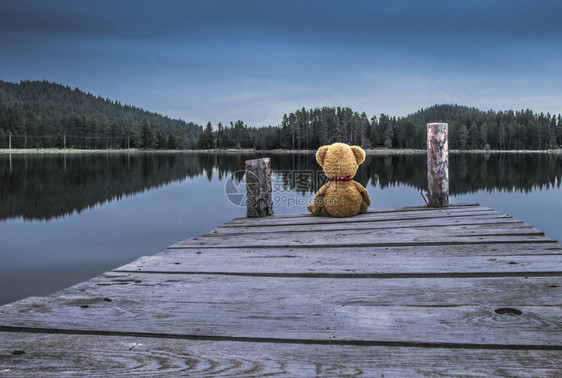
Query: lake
pixel 65 218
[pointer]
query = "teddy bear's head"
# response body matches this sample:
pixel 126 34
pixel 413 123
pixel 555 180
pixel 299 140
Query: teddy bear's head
pixel 340 159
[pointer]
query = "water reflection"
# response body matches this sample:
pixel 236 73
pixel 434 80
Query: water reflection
pixel 49 186
pixel 469 172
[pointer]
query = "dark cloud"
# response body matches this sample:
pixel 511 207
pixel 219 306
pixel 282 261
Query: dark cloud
pixel 306 21
pixel 205 42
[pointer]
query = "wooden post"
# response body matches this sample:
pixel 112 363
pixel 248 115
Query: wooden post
pixel 437 165
pixel 258 188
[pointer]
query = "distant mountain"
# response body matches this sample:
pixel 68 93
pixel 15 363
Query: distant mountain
pixel 36 112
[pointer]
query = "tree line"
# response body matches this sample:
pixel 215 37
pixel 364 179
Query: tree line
pixel 35 114
pixel 469 129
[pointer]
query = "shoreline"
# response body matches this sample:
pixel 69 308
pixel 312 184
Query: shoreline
pixel 368 151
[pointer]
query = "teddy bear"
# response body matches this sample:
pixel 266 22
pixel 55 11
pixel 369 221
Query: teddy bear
pixel 341 196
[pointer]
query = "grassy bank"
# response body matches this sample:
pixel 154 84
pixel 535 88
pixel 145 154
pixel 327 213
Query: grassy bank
pixel 39 151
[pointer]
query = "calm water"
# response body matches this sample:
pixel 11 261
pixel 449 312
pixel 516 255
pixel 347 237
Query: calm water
pixel 64 219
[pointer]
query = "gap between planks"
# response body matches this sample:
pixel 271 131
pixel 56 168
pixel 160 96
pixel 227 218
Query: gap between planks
pixel 273 340
pixel 497 241
pixel 355 275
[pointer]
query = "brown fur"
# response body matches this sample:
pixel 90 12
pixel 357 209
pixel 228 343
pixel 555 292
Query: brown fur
pixel 340 198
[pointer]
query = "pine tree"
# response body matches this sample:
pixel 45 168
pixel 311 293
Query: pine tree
pixel 484 136
pixel 474 135
pixel 389 136
pixel 59 141
pixel 3 138
pixel 462 136
pixel 147 136
pixel 206 140
pixel 559 131
pixel 160 142
pixel 171 142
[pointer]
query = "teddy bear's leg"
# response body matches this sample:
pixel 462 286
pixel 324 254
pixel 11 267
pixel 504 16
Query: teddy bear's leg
pixel 363 208
pixel 317 208
pixel 319 211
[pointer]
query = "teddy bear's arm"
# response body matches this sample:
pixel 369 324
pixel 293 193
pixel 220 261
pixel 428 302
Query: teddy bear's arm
pixel 317 207
pixel 364 195
pixel 319 197
pixel 322 191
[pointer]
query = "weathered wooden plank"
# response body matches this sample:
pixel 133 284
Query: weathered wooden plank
pixel 371 215
pixel 224 256
pixel 452 207
pixel 307 261
pixel 432 311
pixel 486 225
pixel 329 242
pixel 495 219
pixel 368 216
pixel 447 228
pixel 34 355
pixel 410 291
pixel 475 234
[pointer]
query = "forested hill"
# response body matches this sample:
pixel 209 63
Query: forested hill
pixel 444 113
pixel 35 114
pixel 471 128
pixel 44 114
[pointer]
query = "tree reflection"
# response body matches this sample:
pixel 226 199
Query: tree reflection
pixel 49 186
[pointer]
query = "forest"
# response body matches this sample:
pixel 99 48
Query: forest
pixel 40 114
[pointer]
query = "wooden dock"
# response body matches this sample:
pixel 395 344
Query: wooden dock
pixel 462 290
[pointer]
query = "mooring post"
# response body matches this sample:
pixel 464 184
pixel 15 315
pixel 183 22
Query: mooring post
pixel 258 188
pixel 437 165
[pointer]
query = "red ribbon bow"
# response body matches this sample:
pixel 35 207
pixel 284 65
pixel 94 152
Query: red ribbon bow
pixel 346 178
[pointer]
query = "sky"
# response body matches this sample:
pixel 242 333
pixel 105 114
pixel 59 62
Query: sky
pixel 229 60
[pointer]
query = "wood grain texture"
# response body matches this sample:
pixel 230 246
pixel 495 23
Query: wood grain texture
pixel 428 310
pixel 71 355
pixel 450 235
pixel 485 219
pixel 461 290
pixel 371 215
pixel 304 261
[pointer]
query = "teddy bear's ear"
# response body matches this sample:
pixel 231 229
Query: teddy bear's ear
pixel 321 154
pixel 359 154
